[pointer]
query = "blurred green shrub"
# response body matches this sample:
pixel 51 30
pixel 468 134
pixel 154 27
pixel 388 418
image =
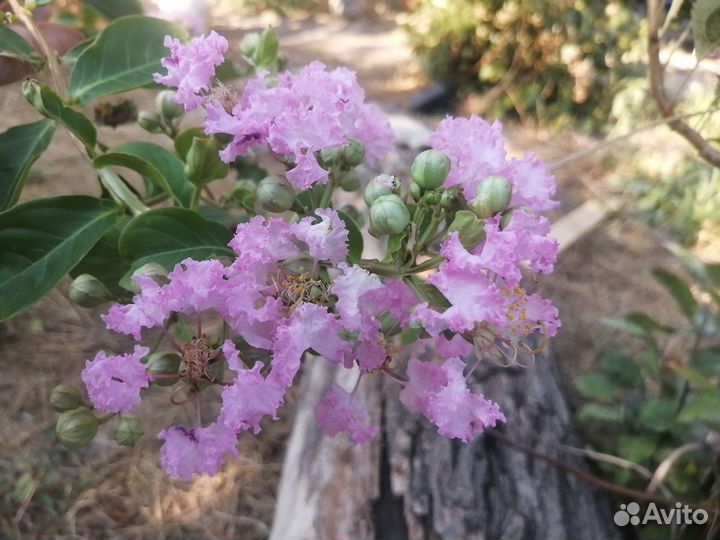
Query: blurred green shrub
pixel 683 204
pixel 660 403
pixel 559 60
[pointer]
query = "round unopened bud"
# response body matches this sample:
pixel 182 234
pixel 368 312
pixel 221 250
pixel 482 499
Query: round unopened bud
pixel 150 121
pixel 249 44
pixel 244 192
pixel 383 184
pixel 493 196
pixel 88 291
pixel 416 192
pixel 65 398
pixel 350 181
pixel 389 215
pixel 469 227
pixel 76 428
pixel 167 105
pixel 153 270
pixel 430 169
pixel 275 194
pixel 128 431
pixel 432 197
pixel 449 198
pixel 353 153
pixel 162 364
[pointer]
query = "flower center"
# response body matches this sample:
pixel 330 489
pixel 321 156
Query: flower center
pixel 197 356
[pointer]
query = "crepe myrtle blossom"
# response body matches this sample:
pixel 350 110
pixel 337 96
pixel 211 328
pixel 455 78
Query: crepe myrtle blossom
pixel 293 290
pixel 296 115
pixel 191 68
pixel 299 114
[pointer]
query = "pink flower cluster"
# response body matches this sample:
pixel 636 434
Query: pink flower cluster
pixel 291 293
pixel 483 284
pixel 296 115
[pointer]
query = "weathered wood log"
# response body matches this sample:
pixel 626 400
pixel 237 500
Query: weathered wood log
pixel 412 483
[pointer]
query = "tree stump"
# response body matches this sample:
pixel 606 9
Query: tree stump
pixel 411 483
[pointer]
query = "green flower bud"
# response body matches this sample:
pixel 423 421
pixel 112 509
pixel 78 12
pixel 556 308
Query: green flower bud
pixel 353 153
pixel 493 196
pixel 449 198
pixel 88 291
pixel 350 181
pixel 275 194
pixel 432 197
pixel 249 44
pixel 128 431
pixel 471 229
pixel 506 218
pixel 416 192
pixel 244 192
pixel 430 169
pixel 150 121
pixel 389 215
pixel 383 184
pixel 65 398
pixel 168 107
pixel 153 270
pixel 162 364
pixel 76 428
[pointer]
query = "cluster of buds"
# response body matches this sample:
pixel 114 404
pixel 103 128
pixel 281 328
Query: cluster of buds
pixel 461 228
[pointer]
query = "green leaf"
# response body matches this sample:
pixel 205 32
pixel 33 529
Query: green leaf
pixel 646 322
pixel 657 414
pixel 20 147
pixel 112 9
pixel 621 323
pixel 623 370
pixel 707 362
pixel 203 163
pixel 184 140
pixel 14 45
pixel 705 26
pixel 355 238
pixel 266 53
pixel 70 57
pixel 104 260
pixel 679 291
pixel 637 448
pixel 124 56
pixel 596 386
pixel 49 104
pixel 702 407
pixel 169 235
pixel 42 240
pixel 595 412
pixel 154 163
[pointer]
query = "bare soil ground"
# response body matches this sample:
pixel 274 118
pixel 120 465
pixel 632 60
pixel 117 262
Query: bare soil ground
pixel 106 491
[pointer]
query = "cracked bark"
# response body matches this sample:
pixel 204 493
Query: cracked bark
pixel 413 484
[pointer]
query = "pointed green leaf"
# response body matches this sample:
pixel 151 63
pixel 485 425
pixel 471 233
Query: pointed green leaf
pixel 124 56
pixel 70 57
pixel 355 238
pixel 14 45
pixel 595 412
pixel 169 235
pixel 706 26
pixel 596 386
pixel 42 240
pixel 112 9
pixel 49 104
pixel 657 414
pixel 679 291
pixel 20 146
pixel 154 163
pixel 184 140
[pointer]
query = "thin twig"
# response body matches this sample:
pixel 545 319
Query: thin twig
pixel 598 482
pixel 664 468
pixel 657 89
